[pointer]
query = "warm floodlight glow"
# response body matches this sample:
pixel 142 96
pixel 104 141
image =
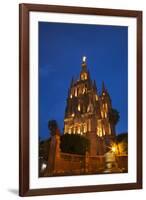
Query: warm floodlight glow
pixel 114 149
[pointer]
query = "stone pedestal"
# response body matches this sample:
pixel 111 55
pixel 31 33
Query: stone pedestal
pixel 54 153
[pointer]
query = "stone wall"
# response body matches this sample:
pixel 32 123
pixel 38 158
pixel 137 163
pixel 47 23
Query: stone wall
pixel 72 164
pixel 122 161
pixel 60 163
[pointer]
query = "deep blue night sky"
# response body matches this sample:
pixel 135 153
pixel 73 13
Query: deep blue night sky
pixel 61 47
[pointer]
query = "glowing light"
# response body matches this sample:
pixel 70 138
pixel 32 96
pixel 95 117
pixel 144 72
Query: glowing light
pixel 119 148
pixel 73 115
pixel 69 131
pixel 76 92
pixel 84 58
pixel 71 96
pixel 102 114
pixel 79 108
pixel 79 130
pixel 43 167
pixel 106 106
pixel 84 76
pixel 84 128
pixel 103 131
pixel 114 149
pixel 96 98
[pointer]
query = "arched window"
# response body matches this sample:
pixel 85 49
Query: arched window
pixel 74 130
pixel 79 107
pixel 76 92
pixel 102 115
pixel 79 130
pixel 106 106
pixel 69 131
pixel 84 128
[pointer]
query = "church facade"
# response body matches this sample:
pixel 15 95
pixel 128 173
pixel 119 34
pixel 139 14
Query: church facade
pixel 87 110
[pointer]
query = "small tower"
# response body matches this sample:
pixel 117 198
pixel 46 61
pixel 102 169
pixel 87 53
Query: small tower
pixel 106 107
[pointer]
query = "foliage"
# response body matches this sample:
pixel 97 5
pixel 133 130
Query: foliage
pixel 122 137
pixel 114 116
pixel 75 144
pixel 122 141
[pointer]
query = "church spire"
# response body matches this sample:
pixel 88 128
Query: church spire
pixel 84 73
pixel 72 81
pixel 94 85
pixel 103 87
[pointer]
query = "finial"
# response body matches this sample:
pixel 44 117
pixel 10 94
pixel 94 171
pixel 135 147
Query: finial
pixel 84 62
pixel 84 58
pixel 94 85
pixel 72 81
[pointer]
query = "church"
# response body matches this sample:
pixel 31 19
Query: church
pixel 87 110
pixel 88 113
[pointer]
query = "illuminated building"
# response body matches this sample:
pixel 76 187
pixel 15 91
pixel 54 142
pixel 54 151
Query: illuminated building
pixel 87 111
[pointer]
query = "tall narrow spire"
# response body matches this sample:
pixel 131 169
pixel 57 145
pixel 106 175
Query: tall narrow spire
pixel 94 85
pixel 103 87
pixel 72 81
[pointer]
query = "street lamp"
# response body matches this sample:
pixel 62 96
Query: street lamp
pixel 114 149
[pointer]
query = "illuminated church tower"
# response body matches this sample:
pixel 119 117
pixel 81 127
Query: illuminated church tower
pixel 87 111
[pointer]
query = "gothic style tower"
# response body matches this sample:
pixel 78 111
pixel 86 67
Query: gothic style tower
pixel 87 111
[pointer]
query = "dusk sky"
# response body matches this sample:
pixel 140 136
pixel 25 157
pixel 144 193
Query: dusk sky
pixel 61 48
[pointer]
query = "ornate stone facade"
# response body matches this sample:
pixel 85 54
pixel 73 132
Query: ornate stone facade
pixel 87 111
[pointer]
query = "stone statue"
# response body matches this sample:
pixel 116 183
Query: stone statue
pixel 53 127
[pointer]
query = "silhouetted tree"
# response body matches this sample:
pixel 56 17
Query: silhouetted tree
pixel 122 137
pixel 122 141
pixel 73 143
pixel 114 116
